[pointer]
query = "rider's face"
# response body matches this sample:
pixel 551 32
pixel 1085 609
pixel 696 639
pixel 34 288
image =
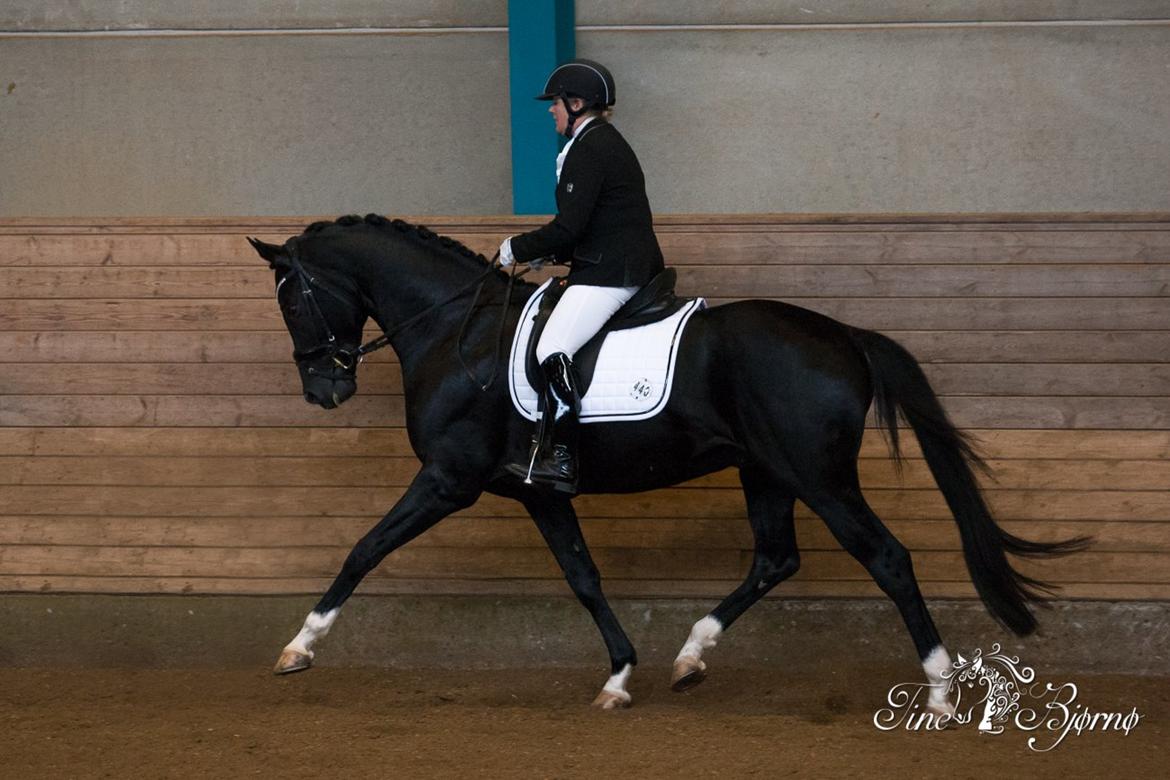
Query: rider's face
pixel 557 109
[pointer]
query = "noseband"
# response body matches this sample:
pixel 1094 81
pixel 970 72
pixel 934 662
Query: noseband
pixel 345 361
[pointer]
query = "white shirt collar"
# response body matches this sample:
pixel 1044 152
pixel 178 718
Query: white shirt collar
pixel 581 126
pixel 576 132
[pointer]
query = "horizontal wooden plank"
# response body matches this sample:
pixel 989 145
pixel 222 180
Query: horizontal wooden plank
pixel 724 533
pixel 921 281
pixel 942 314
pixel 182 379
pixel 1050 379
pixel 293 469
pixel 364 410
pixel 1075 412
pixel 736 281
pixel 671 502
pixel 181 347
pixel 232 441
pixel 209 471
pixel 1056 445
pixel 684 247
pixel 462 563
pixel 199 411
pixel 251 225
pixel 682 243
pixel 122 315
pixel 164 248
pixel 114 347
pixel 275 346
pixel 95 249
pixel 1035 346
pixel 281 378
pixel 133 283
pixel 220 250
pixel 311 588
pixel 437 562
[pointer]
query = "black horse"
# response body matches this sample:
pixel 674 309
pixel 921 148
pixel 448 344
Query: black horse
pixel 777 391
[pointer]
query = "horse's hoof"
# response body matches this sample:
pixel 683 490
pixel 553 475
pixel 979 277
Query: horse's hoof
pixel 292 661
pixel 944 713
pixel 610 700
pixel 688 672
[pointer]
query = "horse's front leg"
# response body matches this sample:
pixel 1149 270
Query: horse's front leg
pixel 435 493
pixel 558 524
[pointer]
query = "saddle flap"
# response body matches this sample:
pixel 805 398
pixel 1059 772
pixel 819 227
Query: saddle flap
pixel 654 302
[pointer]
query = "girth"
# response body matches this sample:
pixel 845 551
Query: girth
pixel 656 301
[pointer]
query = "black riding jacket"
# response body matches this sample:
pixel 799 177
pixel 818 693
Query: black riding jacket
pixel 603 228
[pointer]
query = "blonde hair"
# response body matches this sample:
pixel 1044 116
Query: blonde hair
pixel 601 113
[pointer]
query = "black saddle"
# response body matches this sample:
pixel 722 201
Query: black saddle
pixel 656 301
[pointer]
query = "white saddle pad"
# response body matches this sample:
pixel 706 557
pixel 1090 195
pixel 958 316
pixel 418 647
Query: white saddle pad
pixel 634 370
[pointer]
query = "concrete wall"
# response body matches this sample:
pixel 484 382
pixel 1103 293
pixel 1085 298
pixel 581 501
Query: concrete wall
pixel 478 632
pixel 899 119
pixel 217 108
pixel 254 125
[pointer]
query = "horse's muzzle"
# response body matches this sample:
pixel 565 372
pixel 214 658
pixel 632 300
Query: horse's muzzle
pixel 329 393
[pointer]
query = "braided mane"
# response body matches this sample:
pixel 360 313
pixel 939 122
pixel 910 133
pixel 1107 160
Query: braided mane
pixel 419 233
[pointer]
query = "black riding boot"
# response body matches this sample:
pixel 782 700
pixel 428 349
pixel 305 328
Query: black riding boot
pixel 553 461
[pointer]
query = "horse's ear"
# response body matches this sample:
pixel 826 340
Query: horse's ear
pixel 275 255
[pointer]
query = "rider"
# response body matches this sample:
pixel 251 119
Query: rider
pixel 604 231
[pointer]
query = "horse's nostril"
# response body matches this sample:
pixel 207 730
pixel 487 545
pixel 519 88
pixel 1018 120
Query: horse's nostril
pixel 311 398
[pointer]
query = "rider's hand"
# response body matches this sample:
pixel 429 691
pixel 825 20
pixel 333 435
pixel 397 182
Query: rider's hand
pixel 506 258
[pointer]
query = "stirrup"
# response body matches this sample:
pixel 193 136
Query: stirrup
pixel 557 469
pixel 552 460
pixel 544 472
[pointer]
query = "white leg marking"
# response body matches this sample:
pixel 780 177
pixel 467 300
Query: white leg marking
pixel 935 664
pixel 316 626
pixel 703 635
pixel 614 696
pixel 616 684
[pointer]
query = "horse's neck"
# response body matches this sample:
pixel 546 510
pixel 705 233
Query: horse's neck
pixel 398 301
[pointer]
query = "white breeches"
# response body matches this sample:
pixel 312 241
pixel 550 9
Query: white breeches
pixel 581 312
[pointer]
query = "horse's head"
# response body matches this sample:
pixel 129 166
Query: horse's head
pixel 324 315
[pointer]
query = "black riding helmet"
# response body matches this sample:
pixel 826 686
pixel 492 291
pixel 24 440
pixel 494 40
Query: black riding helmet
pixel 591 81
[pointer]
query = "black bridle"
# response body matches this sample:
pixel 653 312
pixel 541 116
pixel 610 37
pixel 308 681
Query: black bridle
pixel 344 361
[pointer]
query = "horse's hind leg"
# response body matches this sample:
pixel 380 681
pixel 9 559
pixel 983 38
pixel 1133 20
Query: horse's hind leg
pixel 865 537
pixel 770 513
pixel 557 523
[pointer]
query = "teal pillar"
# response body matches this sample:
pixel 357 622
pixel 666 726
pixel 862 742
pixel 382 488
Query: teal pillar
pixel 540 37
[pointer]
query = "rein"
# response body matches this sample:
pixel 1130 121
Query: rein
pixel 348 360
pixel 512 276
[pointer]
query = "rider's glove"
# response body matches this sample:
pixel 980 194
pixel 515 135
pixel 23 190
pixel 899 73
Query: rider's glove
pixel 506 258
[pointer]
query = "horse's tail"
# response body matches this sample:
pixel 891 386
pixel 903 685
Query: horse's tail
pixel 899 385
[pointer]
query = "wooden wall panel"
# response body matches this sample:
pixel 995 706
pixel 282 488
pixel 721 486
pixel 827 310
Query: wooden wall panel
pixel 719 281
pixel 153 438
